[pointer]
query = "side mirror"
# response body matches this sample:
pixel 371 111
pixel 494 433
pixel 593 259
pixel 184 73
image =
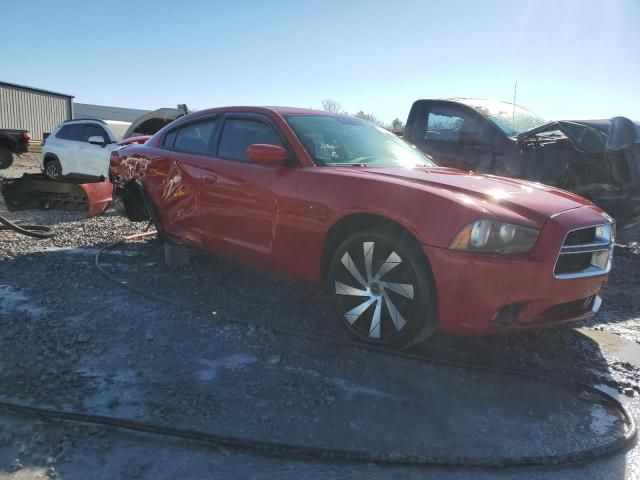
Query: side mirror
pixel 264 154
pixel 97 140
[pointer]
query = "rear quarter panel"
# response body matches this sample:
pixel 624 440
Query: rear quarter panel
pixel 173 187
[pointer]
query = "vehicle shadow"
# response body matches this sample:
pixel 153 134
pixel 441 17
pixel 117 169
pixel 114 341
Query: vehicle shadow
pixel 213 284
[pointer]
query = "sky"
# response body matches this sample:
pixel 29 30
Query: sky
pixel 572 59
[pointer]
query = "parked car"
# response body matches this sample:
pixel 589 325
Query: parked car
pixel 79 148
pixel 403 246
pixel 598 159
pixel 12 142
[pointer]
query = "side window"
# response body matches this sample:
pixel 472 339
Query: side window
pixel 75 132
pixel 169 139
pixel 443 127
pixel 63 133
pixel 450 125
pixel 193 138
pixel 238 134
pixel 93 130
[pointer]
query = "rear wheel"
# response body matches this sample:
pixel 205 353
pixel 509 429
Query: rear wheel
pixel 52 168
pixel 383 289
pixel 6 157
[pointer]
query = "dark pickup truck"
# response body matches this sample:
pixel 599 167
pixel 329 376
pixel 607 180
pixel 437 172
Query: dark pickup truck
pixel 12 142
pixel 597 159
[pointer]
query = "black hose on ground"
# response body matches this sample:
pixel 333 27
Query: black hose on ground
pixel 34 231
pixel 283 449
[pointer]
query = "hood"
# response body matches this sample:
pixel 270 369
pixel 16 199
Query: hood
pixel 592 136
pixel 533 201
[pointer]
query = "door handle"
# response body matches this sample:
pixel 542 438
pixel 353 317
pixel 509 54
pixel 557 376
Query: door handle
pixel 210 180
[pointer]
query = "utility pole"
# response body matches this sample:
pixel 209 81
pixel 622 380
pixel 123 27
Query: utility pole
pixel 513 114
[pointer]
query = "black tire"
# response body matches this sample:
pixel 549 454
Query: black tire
pixel 383 275
pixel 52 168
pixel 6 157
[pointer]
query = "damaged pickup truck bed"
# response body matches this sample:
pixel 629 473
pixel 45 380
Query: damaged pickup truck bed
pixel 597 159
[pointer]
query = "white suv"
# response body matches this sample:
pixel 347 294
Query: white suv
pixel 78 148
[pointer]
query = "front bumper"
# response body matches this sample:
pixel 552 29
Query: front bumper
pixel 489 293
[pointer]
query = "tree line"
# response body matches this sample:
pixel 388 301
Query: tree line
pixel 333 106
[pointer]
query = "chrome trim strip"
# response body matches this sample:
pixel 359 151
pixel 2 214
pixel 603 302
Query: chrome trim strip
pixel 596 304
pixel 584 249
pixel 593 247
pixel 587 247
pixel 592 271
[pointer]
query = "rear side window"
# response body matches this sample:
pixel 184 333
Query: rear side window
pixel 62 133
pixel 70 132
pixel 238 134
pixel 193 138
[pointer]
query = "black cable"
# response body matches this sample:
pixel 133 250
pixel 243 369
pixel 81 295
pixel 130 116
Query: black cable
pixel 280 449
pixel 34 231
pixel 336 454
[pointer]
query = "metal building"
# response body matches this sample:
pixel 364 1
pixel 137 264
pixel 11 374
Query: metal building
pixel 87 110
pixel 33 109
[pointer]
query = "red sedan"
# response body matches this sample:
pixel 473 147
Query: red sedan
pixel 405 247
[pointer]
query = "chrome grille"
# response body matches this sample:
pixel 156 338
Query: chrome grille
pixel 586 252
pixel 580 237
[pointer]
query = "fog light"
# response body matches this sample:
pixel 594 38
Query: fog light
pixel 507 315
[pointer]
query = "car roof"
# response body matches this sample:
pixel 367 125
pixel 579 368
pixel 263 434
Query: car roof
pixel 86 120
pixel 278 110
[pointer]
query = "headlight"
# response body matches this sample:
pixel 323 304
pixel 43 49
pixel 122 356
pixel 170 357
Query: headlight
pixel 497 237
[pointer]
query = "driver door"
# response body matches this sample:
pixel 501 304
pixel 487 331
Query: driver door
pixel 456 137
pixel 242 203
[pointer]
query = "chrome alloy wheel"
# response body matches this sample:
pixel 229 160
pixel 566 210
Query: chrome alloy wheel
pixel 52 170
pixel 375 290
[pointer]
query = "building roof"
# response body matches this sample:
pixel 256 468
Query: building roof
pixel 25 87
pixel 87 110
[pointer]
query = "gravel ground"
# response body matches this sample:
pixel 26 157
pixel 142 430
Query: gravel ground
pixel 70 340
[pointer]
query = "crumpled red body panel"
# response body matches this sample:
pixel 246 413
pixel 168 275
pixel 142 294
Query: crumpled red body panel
pixel 98 196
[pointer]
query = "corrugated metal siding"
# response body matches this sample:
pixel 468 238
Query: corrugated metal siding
pixel 31 110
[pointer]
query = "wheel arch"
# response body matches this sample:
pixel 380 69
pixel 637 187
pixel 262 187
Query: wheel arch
pixel 357 222
pixel 50 156
pixel 7 143
pixel 137 205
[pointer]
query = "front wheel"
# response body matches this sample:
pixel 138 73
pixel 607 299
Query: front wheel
pixel 53 169
pixel 383 289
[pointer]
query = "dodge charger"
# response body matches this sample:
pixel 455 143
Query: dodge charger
pixel 404 247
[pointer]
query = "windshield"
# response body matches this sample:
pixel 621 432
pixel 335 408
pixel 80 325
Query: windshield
pixel 511 120
pixel 345 141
